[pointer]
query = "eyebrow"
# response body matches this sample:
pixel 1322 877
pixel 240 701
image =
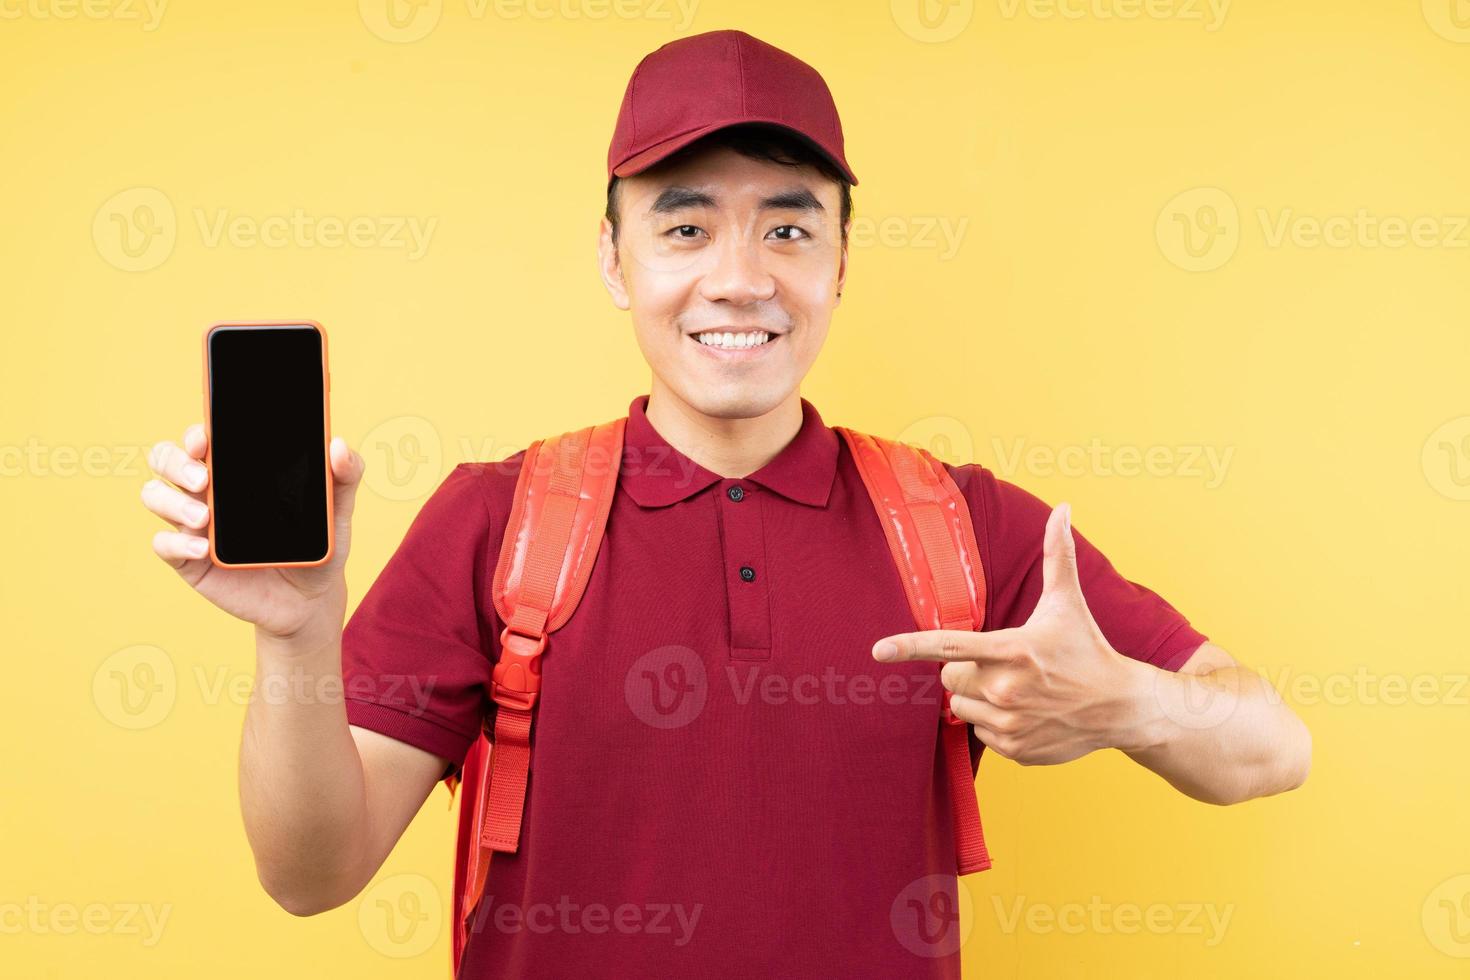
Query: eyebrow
pixel 677 198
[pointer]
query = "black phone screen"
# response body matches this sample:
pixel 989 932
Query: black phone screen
pixel 268 444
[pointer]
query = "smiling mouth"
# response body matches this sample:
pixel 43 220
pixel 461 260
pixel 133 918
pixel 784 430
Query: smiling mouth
pixel 735 340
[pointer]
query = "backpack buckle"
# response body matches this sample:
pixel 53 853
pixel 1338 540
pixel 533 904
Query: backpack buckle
pixel 516 679
pixel 948 715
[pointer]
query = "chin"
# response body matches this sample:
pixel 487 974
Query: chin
pixel 734 400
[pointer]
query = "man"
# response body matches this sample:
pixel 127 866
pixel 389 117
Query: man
pixel 735 766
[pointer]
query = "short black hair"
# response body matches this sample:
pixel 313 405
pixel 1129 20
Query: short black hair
pixel 759 141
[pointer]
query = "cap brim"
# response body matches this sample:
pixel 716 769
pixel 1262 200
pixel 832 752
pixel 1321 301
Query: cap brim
pixel 641 161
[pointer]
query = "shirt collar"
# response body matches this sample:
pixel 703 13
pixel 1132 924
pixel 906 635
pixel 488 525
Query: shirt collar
pixel 656 474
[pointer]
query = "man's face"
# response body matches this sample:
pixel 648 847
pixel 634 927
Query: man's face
pixel 723 242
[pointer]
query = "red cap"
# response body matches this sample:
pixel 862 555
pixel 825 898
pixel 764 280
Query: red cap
pixel 693 86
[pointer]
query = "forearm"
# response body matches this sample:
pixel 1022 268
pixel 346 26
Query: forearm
pixel 301 778
pixel 1224 736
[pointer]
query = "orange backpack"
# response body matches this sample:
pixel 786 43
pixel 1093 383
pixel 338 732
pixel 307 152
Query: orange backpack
pixel 562 498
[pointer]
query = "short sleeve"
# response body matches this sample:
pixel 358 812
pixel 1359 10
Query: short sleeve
pixel 1011 525
pixel 416 658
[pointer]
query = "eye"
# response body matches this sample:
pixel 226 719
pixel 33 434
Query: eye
pixel 679 230
pixel 792 228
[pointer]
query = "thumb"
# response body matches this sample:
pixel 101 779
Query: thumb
pixel 347 469
pixel 1059 557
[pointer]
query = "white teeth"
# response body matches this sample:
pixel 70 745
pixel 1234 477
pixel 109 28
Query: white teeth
pixel 733 341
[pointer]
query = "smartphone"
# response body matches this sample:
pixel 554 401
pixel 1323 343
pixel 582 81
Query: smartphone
pixel 266 389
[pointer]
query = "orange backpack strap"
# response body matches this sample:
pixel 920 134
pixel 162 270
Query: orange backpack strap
pixel 927 522
pixel 562 498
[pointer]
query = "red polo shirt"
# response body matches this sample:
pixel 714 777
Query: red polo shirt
pixel 724 782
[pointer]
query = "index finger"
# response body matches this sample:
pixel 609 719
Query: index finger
pixel 196 443
pixel 942 645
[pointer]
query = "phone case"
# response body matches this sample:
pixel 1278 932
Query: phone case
pixel 326 442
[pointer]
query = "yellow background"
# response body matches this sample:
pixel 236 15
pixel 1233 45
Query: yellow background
pixel 1070 154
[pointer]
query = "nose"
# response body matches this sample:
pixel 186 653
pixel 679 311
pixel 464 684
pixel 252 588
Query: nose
pixel 738 274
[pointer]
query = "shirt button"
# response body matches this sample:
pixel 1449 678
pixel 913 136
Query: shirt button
pixel 747 573
pixel 736 494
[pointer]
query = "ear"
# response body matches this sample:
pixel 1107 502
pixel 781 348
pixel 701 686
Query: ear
pixel 610 265
pixel 842 264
